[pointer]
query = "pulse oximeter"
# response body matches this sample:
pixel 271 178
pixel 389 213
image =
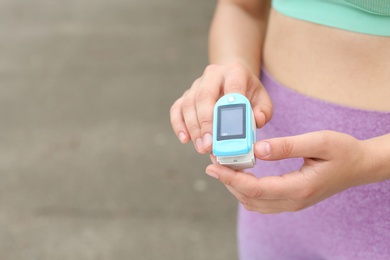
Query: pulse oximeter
pixel 234 132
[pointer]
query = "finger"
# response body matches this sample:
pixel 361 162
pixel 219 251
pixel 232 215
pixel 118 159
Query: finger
pixel 261 103
pixel 288 186
pixel 232 178
pixel 310 145
pixel 246 184
pixel 188 109
pixel 177 122
pixel 237 79
pixel 267 206
pixel 239 195
pixel 213 158
pixel 207 94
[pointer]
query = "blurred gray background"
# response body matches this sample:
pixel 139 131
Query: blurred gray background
pixel 89 165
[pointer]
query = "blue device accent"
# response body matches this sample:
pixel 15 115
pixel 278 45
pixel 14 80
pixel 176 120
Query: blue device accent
pixel 233 133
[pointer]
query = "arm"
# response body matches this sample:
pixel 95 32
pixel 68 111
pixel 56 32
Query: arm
pixel 333 162
pixel 236 38
pixel 237 33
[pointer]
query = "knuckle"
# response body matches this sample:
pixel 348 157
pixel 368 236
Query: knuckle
pixel 174 120
pixel 325 137
pixel 175 115
pixel 175 107
pixel 193 128
pixel 211 68
pixel 303 196
pixel 235 87
pixel 187 104
pixel 286 147
pixel 196 83
pixel 229 182
pixel 232 182
pixel 203 97
pixel 254 193
pixel 205 122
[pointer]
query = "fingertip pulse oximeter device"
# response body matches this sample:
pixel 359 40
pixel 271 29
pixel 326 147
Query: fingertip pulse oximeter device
pixel 234 132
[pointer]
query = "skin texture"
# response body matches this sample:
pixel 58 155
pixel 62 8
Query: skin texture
pixel 333 161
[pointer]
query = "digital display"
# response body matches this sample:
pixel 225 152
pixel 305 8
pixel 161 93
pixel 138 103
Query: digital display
pixel 231 122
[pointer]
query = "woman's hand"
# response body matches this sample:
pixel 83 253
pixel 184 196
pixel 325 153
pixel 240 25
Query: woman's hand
pixel 192 114
pixel 333 162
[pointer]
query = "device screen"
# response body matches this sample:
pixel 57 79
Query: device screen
pixel 231 122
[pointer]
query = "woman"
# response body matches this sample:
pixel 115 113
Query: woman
pixel 323 103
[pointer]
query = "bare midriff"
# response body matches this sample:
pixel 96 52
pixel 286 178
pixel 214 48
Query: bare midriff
pixel 338 66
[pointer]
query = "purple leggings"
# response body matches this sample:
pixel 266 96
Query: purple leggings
pixel 354 224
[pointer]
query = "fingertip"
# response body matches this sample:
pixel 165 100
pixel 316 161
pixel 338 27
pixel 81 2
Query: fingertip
pixel 207 141
pixel 212 171
pixel 183 138
pixel 199 145
pixel 262 149
pixel 204 145
pixel 260 118
pixel 262 115
pixel 210 168
pixel 268 111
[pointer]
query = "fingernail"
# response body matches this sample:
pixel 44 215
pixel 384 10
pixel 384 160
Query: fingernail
pixel 263 149
pixel 211 174
pixel 207 140
pixel 182 137
pixel 199 144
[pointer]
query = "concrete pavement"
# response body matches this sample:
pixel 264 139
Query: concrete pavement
pixel 89 166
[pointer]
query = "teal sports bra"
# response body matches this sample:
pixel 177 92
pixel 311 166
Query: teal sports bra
pixel 362 16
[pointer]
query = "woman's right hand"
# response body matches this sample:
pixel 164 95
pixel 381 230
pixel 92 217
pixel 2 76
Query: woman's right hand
pixel 192 113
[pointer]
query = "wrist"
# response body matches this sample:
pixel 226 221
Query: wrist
pixel 376 161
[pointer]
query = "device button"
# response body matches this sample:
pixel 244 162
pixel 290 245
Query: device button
pixel 231 99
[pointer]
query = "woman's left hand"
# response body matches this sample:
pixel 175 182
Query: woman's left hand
pixel 333 162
